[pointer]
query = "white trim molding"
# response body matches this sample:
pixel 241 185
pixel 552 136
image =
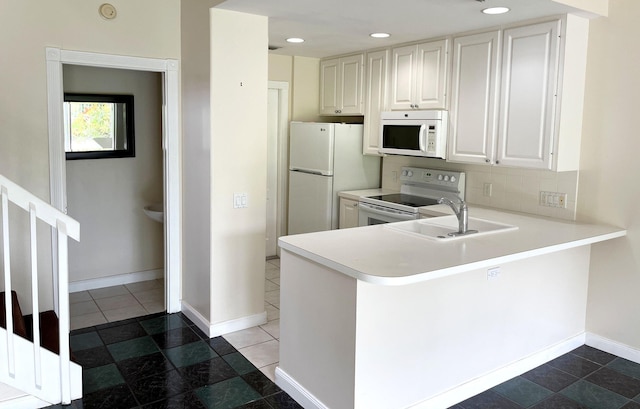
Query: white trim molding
pixel 613 347
pixel 222 328
pixel 453 396
pixel 283 156
pixel 170 145
pixel 119 279
pixel 297 391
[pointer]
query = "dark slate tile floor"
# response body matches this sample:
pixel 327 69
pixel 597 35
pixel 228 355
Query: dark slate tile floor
pixel 164 361
pixel 585 378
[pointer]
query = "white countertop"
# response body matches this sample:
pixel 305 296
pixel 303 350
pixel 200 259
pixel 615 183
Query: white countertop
pixel 380 255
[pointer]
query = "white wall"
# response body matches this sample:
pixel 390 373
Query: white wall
pixel 608 186
pixel 303 76
pixel 146 28
pixel 238 162
pixel 107 195
pixel 196 154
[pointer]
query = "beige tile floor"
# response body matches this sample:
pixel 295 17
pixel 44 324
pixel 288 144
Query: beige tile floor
pixel 120 302
pixel 260 345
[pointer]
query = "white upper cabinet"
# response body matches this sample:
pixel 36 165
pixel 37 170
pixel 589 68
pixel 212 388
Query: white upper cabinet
pixel 536 119
pixel 474 98
pixel 376 69
pixel 419 76
pixel 341 86
pixel 528 95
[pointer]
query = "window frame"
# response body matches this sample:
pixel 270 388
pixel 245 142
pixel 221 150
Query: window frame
pixel 129 127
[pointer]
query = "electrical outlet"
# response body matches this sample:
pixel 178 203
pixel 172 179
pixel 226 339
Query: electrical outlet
pixel 487 190
pixel 493 273
pixel 562 200
pixel 553 199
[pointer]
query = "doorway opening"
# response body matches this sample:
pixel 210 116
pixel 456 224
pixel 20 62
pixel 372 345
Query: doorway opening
pixel 277 164
pixel 168 69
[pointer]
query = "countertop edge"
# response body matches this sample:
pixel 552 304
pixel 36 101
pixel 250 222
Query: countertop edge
pixel 435 274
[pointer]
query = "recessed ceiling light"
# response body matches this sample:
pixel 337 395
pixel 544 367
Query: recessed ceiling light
pixel 295 40
pixel 496 10
pixel 380 35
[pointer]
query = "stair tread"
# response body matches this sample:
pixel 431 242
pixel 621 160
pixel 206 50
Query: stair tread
pixel 9 393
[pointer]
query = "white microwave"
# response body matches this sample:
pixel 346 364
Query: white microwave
pixel 414 133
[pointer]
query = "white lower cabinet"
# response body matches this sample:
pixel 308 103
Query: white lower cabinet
pixel 348 213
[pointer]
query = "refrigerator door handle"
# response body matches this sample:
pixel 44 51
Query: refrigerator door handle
pixel 310 171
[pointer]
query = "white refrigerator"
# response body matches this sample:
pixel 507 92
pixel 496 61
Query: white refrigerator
pixel 324 159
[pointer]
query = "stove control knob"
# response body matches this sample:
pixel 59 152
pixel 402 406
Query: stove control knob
pixel 404 173
pixel 440 177
pixel 453 178
pixel 446 178
pixel 410 173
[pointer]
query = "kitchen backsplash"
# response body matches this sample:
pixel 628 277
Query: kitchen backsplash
pixel 511 188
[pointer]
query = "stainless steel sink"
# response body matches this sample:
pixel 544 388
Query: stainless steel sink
pixel 444 228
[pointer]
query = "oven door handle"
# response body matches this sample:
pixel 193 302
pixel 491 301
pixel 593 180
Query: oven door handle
pixel 403 216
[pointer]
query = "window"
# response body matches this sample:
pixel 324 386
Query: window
pixel 98 126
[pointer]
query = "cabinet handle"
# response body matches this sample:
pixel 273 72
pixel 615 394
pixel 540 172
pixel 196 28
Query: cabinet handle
pixel 487 160
pixel 355 205
pixel 497 162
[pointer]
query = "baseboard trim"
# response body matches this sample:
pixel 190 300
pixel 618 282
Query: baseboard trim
pixel 456 394
pixel 195 317
pixel 297 391
pixel 120 279
pixel 214 330
pixel 494 378
pixel 238 324
pixel 613 347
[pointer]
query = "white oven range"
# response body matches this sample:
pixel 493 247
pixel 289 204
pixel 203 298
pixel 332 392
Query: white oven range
pixel 419 187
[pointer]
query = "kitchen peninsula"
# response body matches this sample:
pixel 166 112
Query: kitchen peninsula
pixel 373 317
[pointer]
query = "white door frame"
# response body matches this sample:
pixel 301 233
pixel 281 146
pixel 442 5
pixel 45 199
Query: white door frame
pixel 283 155
pixel 170 149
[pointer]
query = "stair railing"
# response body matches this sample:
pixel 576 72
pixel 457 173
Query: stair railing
pixel 65 227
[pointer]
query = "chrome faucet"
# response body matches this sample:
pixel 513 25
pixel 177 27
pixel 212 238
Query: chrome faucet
pixel 462 213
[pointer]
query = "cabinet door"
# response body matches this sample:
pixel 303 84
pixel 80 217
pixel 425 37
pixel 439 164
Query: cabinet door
pixel 348 213
pixel 329 70
pixel 375 102
pixel 474 96
pixel 350 86
pixel 529 83
pixel 403 66
pixel 431 75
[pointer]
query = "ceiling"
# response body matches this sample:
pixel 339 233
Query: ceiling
pixel 333 27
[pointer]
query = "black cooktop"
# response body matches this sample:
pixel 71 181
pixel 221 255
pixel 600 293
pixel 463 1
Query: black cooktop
pixel 407 200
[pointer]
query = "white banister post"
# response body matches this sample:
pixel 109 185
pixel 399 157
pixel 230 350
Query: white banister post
pixel 11 359
pixel 63 308
pixel 34 296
